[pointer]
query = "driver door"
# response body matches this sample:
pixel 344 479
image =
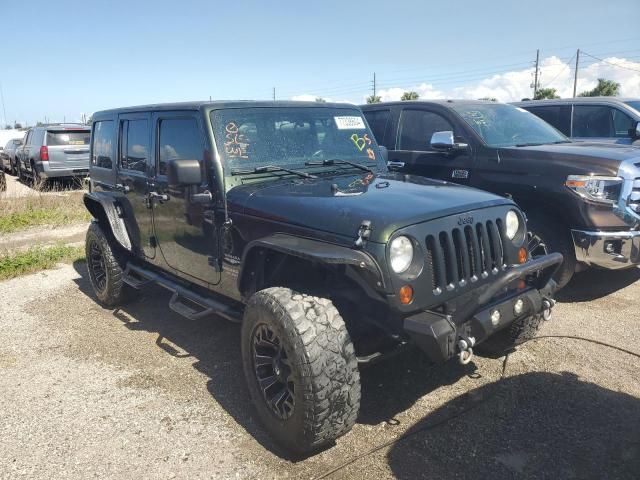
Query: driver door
pixel 414 154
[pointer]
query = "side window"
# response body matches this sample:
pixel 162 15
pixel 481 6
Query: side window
pixel 179 139
pixel 417 127
pixel 134 148
pixel 557 115
pixel 592 121
pixel 103 144
pixel 622 123
pixel 27 140
pixel 378 121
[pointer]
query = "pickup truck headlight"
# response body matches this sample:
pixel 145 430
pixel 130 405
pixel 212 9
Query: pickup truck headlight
pixel 512 224
pixel 601 189
pixel 400 254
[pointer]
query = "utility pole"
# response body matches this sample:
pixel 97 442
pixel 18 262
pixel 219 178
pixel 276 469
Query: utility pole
pixel 535 81
pixel 4 112
pixel 274 94
pixel 374 85
pixel 575 77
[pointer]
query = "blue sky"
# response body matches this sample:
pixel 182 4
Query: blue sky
pixel 62 58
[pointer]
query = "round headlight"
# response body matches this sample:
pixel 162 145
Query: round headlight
pixel 512 222
pixel 400 254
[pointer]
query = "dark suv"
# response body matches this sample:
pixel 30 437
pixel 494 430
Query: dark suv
pixel 283 216
pixel 581 199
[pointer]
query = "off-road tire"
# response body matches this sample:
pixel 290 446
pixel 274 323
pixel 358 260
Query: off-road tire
pixel 323 363
pixel 3 182
pixel 112 291
pixel 504 341
pixel 557 239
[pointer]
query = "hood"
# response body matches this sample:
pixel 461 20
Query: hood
pixel 339 204
pixel 588 157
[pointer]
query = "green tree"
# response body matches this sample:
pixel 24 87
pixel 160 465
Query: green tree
pixel 320 100
pixel 543 93
pixel 374 99
pixel 410 96
pixel 605 88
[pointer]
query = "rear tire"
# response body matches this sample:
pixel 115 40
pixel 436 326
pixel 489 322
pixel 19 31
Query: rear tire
pixel 556 238
pixel 302 342
pixel 3 182
pixel 519 332
pixel 106 268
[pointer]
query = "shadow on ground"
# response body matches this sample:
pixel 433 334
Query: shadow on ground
pixel 593 284
pixel 534 425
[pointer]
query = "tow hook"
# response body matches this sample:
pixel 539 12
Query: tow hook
pixel 547 305
pixel 466 349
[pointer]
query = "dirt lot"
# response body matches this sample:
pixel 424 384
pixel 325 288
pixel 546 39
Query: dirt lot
pixel 140 392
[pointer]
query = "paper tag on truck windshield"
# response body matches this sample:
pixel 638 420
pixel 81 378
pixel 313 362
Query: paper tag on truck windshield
pixel 349 123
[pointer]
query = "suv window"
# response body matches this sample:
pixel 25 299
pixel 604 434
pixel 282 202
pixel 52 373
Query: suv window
pixel 179 139
pixel 557 115
pixel 417 127
pixel 622 123
pixel 378 121
pixel 103 147
pixel 68 137
pixel 134 151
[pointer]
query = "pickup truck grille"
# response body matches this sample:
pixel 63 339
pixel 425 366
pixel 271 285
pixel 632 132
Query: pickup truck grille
pixel 465 254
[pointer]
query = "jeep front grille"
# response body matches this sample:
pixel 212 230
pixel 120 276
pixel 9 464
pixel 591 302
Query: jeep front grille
pixel 465 254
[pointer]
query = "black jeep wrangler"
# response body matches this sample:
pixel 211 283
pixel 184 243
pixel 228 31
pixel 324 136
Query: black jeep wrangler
pixel 282 216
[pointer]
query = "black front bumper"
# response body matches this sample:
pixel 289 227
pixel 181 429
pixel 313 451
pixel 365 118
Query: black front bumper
pixel 437 334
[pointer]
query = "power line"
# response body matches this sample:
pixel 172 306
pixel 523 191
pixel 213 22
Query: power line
pixel 612 64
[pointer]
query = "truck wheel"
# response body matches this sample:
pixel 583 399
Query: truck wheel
pixel 13 168
pixel 3 182
pixel 518 332
pixel 300 367
pixel 546 235
pixel 105 268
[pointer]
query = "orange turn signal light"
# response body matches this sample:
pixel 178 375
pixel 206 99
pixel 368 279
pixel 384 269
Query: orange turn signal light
pixel 406 294
pixel 522 255
pixel 575 183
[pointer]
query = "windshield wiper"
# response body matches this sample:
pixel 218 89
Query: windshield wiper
pixel 272 168
pixel 334 161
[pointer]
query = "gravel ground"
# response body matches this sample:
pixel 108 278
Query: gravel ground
pixel 140 392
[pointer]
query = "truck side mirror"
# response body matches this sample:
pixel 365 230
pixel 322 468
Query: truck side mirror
pixel 444 142
pixel 182 173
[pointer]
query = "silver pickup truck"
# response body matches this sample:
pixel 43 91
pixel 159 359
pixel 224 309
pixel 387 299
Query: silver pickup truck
pixel 54 151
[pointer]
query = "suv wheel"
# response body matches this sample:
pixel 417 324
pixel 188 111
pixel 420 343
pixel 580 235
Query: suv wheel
pixel 300 367
pixel 105 268
pixel 13 168
pixel 546 235
pixel 517 333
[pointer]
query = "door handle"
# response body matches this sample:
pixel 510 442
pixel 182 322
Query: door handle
pixel 395 164
pixel 161 197
pixel 119 187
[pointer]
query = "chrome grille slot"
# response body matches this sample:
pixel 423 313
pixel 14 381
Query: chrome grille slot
pixel 465 254
pixel 634 197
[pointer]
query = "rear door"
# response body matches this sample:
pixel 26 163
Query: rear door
pixel 68 148
pixel 184 229
pixel 414 154
pixel 134 156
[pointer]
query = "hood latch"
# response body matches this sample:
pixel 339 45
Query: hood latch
pixel 364 231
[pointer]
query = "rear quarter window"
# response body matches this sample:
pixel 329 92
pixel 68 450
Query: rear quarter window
pixel 68 138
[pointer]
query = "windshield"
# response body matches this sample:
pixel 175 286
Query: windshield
pixel 635 104
pixel 290 137
pixel 508 126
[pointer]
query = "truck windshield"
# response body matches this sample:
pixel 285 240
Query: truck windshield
pixel 294 137
pixel 508 126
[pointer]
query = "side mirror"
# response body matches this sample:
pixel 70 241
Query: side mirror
pixel 444 142
pixel 182 173
pixel 384 152
pixel 635 132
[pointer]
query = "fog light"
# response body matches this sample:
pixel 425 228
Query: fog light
pixel 406 294
pixel 495 317
pixel 518 306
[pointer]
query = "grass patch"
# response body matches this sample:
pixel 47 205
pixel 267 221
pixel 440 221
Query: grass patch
pixel 42 209
pixel 37 258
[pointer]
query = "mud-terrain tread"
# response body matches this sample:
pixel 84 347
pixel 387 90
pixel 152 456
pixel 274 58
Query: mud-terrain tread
pixel 520 331
pixel 117 292
pixel 328 365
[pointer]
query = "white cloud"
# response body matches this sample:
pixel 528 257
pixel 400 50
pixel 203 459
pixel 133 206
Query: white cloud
pixel 516 85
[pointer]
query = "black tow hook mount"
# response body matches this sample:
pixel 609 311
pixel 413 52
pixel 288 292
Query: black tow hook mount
pixel 465 345
pixel 547 305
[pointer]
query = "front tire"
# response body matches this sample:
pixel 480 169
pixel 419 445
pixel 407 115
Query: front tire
pixel 301 368
pixel 105 267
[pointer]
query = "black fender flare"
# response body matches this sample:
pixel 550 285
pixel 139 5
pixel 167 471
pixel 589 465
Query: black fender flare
pixel 364 269
pixel 104 208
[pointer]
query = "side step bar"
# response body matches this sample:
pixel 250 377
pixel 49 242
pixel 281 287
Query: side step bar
pixel 183 300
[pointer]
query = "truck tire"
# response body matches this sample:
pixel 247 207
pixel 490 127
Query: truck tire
pixel 557 238
pixel 300 368
pixel 106 268
pixel 504 341
pixel 3 182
